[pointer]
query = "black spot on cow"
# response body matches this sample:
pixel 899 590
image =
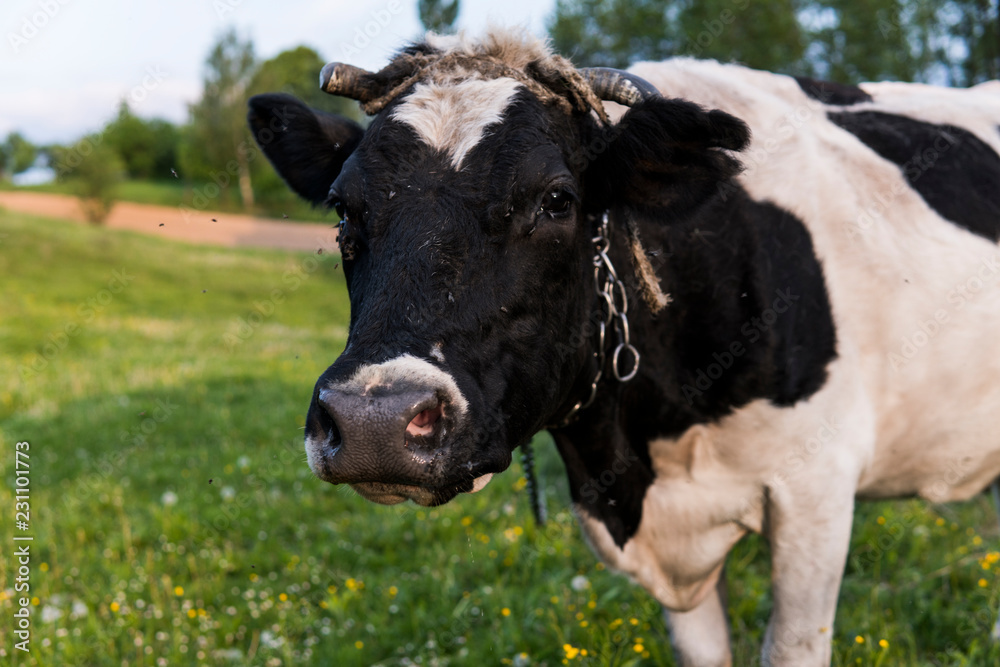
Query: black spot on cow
pixel 830 92
pixel 750 319
pixel 956 173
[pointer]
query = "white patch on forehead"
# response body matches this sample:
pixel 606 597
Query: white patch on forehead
pixel 453 116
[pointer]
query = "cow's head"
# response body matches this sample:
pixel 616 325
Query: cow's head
pixel 469 208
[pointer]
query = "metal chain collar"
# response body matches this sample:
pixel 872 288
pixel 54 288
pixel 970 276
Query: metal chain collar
pixel 611 294
pixel 614 303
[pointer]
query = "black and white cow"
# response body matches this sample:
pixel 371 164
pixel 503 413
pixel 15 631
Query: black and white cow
pixel 831 331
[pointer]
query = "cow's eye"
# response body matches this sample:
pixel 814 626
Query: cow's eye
pixel 558 202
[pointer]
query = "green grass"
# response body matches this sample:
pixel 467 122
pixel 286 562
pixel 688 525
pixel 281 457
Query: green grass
pixel 162 193
pixel 173 510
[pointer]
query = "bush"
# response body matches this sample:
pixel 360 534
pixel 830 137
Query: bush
pixel 97 176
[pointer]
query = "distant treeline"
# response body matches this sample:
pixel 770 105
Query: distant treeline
pixel 953 43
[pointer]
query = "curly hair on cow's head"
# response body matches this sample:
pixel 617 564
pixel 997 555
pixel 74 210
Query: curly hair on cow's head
pixel 506 52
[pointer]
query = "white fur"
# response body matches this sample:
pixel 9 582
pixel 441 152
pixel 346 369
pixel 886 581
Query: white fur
pixel 891 420
pixel 479 483
pixel 454 116
pixel 513 46
pixel 402 372
pixel 453 109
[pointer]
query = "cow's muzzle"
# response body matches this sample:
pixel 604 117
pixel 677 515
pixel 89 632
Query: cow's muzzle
pixel 391 431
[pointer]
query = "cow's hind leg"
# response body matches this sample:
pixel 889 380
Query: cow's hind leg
pixel 700 637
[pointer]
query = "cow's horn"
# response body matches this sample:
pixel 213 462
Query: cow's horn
pixel 347 81
pixel 615 85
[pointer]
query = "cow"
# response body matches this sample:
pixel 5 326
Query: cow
pixel 738 300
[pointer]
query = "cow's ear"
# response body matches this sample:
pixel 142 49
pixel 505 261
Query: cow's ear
pixel 307 147
pixel 668 156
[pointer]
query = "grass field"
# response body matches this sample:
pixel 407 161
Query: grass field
pixel 162 388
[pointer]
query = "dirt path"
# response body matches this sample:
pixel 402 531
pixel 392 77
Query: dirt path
pixel 227 229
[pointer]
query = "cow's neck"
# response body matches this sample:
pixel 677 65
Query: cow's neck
pixel 749 319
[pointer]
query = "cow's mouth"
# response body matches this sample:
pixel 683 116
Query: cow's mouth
pixel 392 494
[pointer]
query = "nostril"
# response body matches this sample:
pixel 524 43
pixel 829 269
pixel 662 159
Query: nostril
pixel 425 421
pixel 326 422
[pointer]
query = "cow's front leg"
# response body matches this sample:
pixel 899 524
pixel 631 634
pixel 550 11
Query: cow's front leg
pixel 809 531
pixel 700 637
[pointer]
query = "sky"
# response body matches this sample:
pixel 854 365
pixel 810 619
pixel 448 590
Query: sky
pixel 66 64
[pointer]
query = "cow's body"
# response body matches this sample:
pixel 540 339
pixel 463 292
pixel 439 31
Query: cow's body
pixel 910 406
pixel 832 332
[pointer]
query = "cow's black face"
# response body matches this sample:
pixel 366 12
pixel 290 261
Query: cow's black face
pixel 463 278
pixel 467 248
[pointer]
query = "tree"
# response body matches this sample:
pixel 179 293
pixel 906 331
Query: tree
pixel 296 72
pixel 148 148
pixel 216 144
pixel 844 40
pixel 613 33
pixel 870 41
pixel 764 36
pixel 973 26
pixel 16 154
pixel 96 176
pixel 616 33
pixel 438 15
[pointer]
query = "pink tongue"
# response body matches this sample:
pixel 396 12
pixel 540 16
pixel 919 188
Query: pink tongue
pixel 423 423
